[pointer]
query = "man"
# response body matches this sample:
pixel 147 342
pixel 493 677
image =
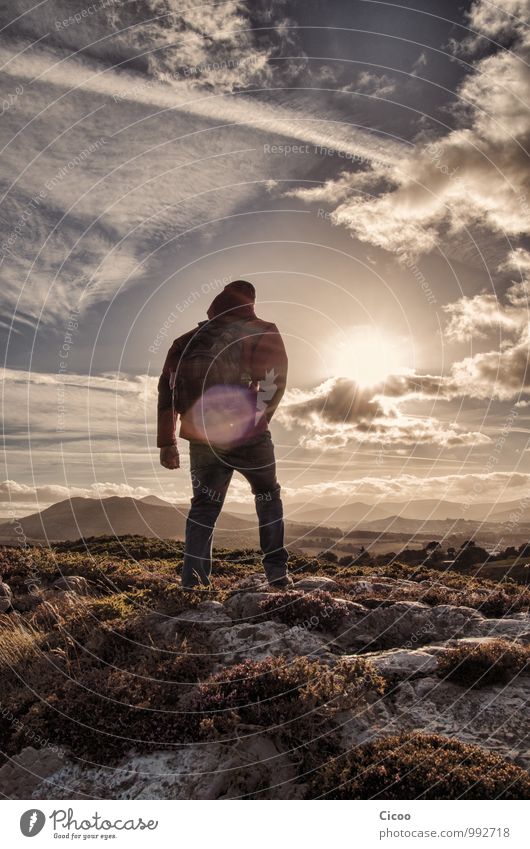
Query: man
pixel 225 379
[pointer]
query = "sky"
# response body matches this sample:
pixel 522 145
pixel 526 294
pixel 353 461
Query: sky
pixel 365 164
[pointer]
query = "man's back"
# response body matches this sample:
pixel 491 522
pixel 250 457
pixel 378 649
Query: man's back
pixel 225 379
pixel 203 388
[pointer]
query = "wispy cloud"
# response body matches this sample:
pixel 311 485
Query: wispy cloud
pixel 162 104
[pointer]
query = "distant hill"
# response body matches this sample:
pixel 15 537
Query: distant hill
pixel 434 527
pixel 419 511
pixel 85 517
pixel 158 502
pixel 346 514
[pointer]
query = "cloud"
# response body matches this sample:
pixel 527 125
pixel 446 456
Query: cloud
pixel 494 486
pixel 376 85
pixel 505 19
pixel 474 176
pixel 477 487
pixel 339 412
pixel 503 374
pixel 43 409
pixel 215 43
pixel 130 130
pixel 19 495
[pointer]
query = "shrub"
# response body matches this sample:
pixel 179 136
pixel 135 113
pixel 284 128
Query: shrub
pixel 419 766
pixel 483 664
pixel 128 546
pixel 106 712
pixel 317 610
pixel 297 696
pixel 496 604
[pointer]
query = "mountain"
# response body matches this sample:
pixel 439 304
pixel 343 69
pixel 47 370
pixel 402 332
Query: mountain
pixel 430 527
pixel 157 502
pixel 419 511
pixel 340 515
pixel 86 517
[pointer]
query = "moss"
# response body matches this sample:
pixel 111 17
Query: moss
pixel 419 766
pixel 483 664
pixel 118 606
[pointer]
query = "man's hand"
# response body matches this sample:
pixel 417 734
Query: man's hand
pixel 169 457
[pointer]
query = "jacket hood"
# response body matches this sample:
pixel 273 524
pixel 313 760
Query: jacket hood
pixel 231 304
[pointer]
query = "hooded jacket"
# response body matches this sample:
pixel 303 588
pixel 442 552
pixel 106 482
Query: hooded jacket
pixel 267 360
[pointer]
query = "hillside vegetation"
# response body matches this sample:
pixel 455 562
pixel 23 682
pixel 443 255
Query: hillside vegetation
pixel 245 691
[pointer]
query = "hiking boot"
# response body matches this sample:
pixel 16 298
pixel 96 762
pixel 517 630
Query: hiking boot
pixel 284 583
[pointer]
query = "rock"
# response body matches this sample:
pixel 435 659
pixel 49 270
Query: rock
pixel 251 767
pixel 256 642
pixel 244 606
pixel 20 776
pixel 493 717
pixel 207 615
pixel 27 601
pixel 316 583
pixel 361 587
pixel 6 597
pixel 405 663
pixel 514 629
pixel 72 583
pixel 408 624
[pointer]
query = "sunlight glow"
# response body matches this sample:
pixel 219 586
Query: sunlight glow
pixel 366 355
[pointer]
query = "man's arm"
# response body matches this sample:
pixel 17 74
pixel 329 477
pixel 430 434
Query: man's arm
pixel 167 416
pixel 269 364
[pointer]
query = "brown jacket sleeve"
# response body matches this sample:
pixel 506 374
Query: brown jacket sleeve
pixel 167 417
pixel 269 368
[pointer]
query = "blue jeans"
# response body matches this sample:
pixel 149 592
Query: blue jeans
pixel 211 473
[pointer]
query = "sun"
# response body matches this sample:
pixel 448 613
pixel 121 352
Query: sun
pixel 364 354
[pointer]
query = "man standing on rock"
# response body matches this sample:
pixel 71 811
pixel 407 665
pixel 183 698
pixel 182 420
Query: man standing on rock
pixel 225 378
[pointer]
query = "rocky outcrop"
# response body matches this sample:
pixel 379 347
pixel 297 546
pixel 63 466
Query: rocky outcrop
pixel 23 774
pixel 238 769
pixel 256 642
pixel 244 606
pixel 493 717
pixel 316 582
pixel 402 640
pixel 408 624
pixel 73 584
pixel 6 597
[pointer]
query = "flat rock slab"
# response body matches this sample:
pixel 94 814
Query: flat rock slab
pixel 493 717
pixel 245 641
pixel 405 663
pixel 252 766
pixel 20 776
pixel 207 615
pixel 316 583
pixel 408 624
